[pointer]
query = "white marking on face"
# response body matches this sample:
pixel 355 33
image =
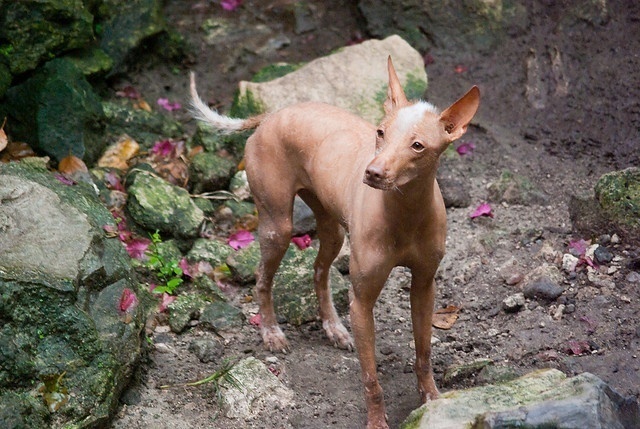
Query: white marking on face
pixel 411 115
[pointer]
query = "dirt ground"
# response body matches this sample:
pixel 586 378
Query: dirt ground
pixel 579 118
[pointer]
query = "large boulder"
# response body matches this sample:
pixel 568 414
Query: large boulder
pixel 33 31
pixel 354 78
pixel 57 112
pixel 545 398
pixel 71 314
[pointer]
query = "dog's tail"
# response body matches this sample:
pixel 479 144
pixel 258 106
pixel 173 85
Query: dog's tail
pixel 226 125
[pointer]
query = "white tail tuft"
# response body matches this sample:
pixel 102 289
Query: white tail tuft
pixel 201 112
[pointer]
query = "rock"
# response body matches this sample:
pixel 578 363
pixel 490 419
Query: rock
pixel 207 350
pixel 243 263
pixel 221 316
pixel 543 289
pixel 156 204
pixel 212 251
pixel 477 25
pixel 255 391
pixel 238 209
pixel 514 189
pixel 615 208
pixel 92 62
pixel 454 193
pixel 294 296
pixel 633 277
pixel 144 127
pixel 38 31
pixel 239 185
pixel 544 398
pixel 492 374
pixel 513 303
pixel 185 308
pixel 323 79
pixel 57 112
pixel 210 172
pixel 71 311
pixel 602 255
pixel 5 79
pixel 304 221
pixel 511 272
pixel 457 373
pixel 126 24
pixel 569 262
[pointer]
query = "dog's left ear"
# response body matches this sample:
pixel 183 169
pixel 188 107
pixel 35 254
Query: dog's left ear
pixel 457 117
pixel 395 93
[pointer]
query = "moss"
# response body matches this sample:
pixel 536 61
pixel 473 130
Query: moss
pixel 275 71
pixel 618 193
pixel 413 420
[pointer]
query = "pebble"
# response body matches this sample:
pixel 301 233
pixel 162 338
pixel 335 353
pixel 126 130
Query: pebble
pixel 603 255
pixel 543 288
pixel 569 262
pixel 633 277
pixel 615 239
pixel 513 303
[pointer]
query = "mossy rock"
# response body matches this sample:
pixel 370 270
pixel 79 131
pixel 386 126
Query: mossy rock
pixel 210 172
pixel 214 252
pixel 221 316
pixel 618 193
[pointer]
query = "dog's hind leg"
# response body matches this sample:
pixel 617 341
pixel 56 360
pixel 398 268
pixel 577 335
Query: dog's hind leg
pixel 331 236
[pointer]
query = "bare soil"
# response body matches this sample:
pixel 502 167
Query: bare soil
pixel 586 123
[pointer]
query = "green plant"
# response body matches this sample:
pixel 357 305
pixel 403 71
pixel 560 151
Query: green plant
pixel 221 376
pixel 168 272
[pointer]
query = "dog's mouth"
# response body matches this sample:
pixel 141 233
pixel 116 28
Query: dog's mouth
pixel 378 183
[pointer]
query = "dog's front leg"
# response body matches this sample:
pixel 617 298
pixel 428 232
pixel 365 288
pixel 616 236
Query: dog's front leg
pixel 422 299
pixel 366 289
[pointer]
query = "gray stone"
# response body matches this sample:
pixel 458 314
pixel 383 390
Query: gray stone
pixel 221 316
pixel 323 79
pixel 57 112
pixel 294 297
pixel 71 310
pixel 210 172
pixel 304 221
pixel 156 204
pixel 545 398
pixel 454 193
pixel 513 303
pixel 603 255
pixel 255 391
pixel 243 263
pixel 37 31
pixel 144 127
pixel 544 289
pixel 214 252
pixel 458 373
pixel 185 308
pixel 207 350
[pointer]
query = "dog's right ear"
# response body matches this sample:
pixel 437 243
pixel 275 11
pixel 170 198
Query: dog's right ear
pixel 457 117
pixel 395 93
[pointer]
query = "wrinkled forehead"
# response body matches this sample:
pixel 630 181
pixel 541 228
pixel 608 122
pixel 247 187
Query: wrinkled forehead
pixel 409 116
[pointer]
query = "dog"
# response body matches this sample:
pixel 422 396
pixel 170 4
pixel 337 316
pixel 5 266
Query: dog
pixel 376 183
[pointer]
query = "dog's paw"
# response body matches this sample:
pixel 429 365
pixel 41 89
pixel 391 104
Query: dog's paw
pixel 338 334
pixel 274 339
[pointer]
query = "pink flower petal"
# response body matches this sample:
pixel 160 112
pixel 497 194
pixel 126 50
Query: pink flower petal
pixel 579 347
pixel 230 4
pixel 168 148
pixel 187 269
pixel 137 247
pixel 256 320
pixel 64 179
pixel 113 181
pixel 168 105
pixel 466 148
pixel 483 209
pixel 128 92
pixel 240 239
pixel 128 301
pixel 578 247
pixel 165 301
pixel 302 241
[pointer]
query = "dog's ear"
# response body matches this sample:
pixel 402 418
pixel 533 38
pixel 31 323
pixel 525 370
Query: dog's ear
pixel 457 117
pixel 395 93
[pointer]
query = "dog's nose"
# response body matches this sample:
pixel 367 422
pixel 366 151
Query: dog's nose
pixel 374 172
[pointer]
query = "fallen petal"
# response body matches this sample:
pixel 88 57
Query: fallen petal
pixel 303 241
pixel 240 239
pixel 137 248
pixel 128 301
pixel 483 209
pixel 256 320
pixel 465 148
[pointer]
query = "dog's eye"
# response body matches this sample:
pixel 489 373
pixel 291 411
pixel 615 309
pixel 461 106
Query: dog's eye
pixel 380 133
pixel 417 146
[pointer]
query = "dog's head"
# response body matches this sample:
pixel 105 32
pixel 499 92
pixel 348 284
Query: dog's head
pixel 412 135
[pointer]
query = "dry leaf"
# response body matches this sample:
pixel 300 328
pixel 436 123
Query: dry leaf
pixel 119 154
pixel 142 105
pixel 16 151
pixel 444 318
pixel 71 165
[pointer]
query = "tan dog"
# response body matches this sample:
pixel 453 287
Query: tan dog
pixel 379 184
